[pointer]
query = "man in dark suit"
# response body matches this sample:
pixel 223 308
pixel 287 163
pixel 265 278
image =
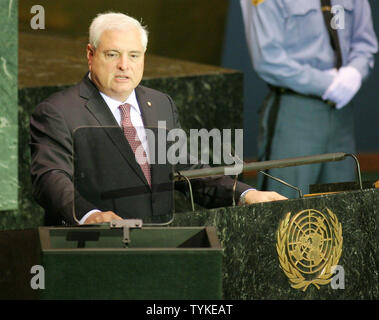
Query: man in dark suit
pixel 85 167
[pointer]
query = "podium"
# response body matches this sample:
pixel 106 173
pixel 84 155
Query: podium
pixel 323 246
pixel 179 262
pixel 258 265
pixel 94 263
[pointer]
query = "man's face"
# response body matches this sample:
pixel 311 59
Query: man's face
pixel 117 64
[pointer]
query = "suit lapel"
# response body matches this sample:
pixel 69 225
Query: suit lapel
pixel 148 109
pixel 100 111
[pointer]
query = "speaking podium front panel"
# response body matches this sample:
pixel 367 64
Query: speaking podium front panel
pixel 93 263
pixel 322 247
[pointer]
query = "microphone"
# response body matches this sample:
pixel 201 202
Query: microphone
pixel 264 165
pixel 282 182
pixel 264 173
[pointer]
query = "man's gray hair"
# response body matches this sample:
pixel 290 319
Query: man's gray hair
pixel 111 21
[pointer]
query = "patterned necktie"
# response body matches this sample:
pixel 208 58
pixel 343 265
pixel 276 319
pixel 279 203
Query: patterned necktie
pixel 134 142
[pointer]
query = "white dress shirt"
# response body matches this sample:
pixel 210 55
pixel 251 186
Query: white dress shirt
pixel 135 116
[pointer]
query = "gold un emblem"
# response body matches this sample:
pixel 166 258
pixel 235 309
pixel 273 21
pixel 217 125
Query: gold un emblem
pixel 309 245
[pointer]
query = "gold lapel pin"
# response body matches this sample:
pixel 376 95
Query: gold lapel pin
pixel 149 103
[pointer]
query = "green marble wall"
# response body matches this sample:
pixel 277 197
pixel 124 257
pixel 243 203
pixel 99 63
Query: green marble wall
pixel 248 236
pixel 8 105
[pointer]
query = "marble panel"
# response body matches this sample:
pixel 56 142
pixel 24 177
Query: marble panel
pixel 8 105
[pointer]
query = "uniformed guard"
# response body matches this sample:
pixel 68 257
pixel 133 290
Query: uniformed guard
pixel 314 55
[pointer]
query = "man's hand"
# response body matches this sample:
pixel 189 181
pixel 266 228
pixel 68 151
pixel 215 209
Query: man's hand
pixel 255 196
pixel 101 217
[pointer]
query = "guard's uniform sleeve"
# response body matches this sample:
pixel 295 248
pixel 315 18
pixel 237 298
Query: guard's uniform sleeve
pixel 364 43
pixel 264 29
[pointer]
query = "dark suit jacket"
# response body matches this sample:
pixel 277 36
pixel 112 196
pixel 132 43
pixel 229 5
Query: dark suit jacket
pixel 82 161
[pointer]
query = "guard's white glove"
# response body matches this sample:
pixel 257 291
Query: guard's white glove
pixel 344 86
